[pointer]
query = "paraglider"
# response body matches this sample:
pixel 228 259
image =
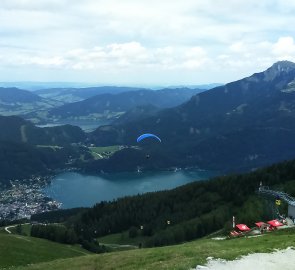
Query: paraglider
pixel 147 135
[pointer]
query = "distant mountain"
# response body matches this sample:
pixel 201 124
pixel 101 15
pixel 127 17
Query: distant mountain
pixel 14 101
pixel 241 125
pixel 69 95
pixel 33 86
pixel 116 104
pixel 15 95
pixel 199 86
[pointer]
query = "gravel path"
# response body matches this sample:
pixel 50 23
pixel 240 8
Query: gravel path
pixel 277 260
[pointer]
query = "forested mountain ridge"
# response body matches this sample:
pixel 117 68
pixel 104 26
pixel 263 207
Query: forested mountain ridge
pixel 22 161
pixel 121 102
pixel 241 125
pixel 27 150
pixel 71 94
pixel 16 129
pixel 14 95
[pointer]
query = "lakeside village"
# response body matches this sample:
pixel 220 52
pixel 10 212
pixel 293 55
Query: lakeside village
pixel 25 198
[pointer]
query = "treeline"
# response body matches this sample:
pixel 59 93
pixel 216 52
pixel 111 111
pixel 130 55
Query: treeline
pixel 57 216
pixel 64 235
pixel 56 233
pixel 5 222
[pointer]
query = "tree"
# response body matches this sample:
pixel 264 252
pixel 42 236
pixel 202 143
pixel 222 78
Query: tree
pixel 132 232
pixel 19 229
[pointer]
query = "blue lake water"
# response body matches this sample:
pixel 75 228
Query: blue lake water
pixel 76 190
pixel 87 126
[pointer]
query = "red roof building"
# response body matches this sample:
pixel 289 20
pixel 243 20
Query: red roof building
pixel 243 227
pixel 275 223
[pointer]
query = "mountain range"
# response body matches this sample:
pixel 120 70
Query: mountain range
pixel 71 94
pixel 241 125
pixel 119 103
pixel 14 101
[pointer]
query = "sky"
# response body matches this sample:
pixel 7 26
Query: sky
pixel 143 42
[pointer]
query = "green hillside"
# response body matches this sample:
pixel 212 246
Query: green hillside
pixel 184 256
pixel 17 250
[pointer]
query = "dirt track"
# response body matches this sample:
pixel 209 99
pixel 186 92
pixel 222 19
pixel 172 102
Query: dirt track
pixel 278 260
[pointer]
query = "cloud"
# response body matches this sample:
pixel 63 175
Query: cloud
pixel 130 55
pixel 128 37
pixel 245 58
pixel 241 57
pixel 284 48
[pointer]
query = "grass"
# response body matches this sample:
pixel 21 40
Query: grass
pixel 17 250
pixel 121 241
pixel 178 257
pixel 100 152
pixel 25 229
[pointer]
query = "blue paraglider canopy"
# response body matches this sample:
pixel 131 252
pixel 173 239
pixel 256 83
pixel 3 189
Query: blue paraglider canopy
pixel 147 135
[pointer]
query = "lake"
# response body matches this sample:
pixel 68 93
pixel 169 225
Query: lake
pixel 76 190
pixel 87 126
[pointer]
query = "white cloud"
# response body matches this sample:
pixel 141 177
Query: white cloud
pixel 284 48
pixel 127 37
pixel 32 4
pixel 237 47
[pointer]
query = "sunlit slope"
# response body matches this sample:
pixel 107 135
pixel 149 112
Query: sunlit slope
pixel 16 250
pixel 183 256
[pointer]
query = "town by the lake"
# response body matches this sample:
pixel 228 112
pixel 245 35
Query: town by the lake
pixel 25 198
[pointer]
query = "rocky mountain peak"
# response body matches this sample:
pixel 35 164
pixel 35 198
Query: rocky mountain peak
pixel 279 68
pixel 283 66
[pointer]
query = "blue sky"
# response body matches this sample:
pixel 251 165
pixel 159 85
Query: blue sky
pixel 148 42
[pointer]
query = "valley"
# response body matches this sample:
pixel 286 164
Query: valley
pixel 142 135
pixel 198 137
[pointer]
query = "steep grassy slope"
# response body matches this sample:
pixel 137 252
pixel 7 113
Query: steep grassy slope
pixel 19 250
pixel 180 257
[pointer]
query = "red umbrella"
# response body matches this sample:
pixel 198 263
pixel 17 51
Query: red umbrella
pixel 259 224
pixel 275 223
pixel 243 227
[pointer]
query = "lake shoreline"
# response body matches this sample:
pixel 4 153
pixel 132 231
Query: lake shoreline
pixel 78 189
